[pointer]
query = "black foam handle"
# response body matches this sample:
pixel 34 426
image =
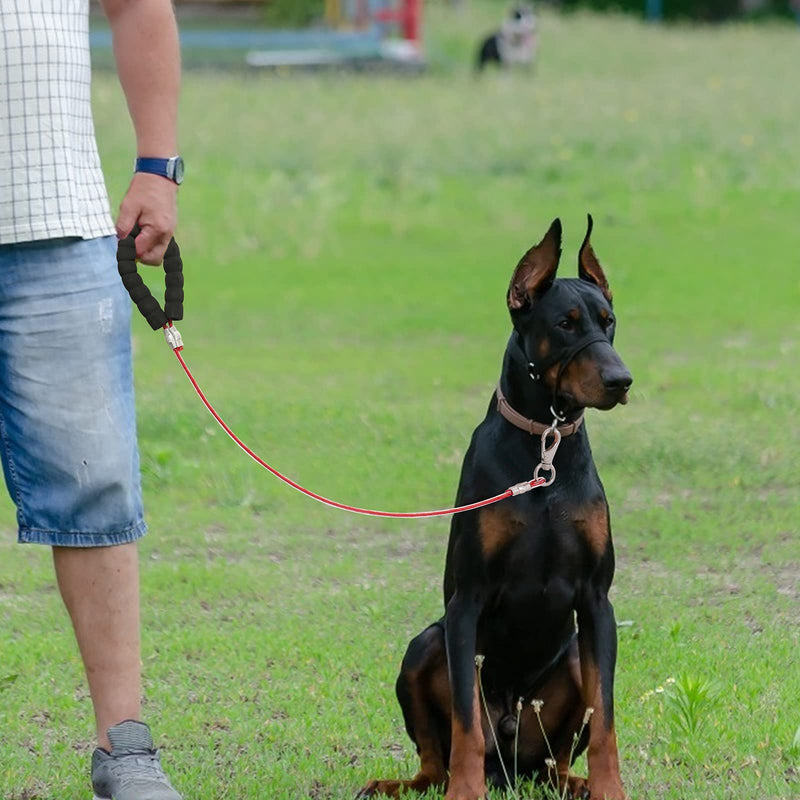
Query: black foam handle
pixel 173 278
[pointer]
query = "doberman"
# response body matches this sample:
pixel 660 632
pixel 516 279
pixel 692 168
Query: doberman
pixel 526 581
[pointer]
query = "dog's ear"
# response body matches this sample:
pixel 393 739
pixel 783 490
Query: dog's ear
pixel 589 268
pixel 536 270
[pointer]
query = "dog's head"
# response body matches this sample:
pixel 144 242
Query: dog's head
pixel 567 326
pixel 521 12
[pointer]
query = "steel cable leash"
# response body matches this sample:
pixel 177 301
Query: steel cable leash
pixel 173 309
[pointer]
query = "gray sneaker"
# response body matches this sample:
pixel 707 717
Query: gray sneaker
pixel 132 770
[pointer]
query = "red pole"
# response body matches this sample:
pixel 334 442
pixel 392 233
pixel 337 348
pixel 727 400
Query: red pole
pixel 412 20
pixel 408 15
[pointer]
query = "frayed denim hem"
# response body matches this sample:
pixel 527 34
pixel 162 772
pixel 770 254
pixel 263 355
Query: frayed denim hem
pixel 82 538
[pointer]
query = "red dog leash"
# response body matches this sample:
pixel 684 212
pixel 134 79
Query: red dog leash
pixel 173 309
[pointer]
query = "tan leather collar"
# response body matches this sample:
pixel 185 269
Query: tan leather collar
pixel 528 425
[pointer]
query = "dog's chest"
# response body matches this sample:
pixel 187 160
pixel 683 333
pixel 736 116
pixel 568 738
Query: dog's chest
pixel 536 576
pixel 528 615
pixel 540 544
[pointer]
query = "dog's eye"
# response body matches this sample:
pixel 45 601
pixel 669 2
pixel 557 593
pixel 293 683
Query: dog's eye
pixel 566 324
pixel 607 322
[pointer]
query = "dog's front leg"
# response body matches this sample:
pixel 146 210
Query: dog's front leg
pixel 467 771
pixel 597 639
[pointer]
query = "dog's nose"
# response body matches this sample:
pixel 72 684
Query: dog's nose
pixel 618 381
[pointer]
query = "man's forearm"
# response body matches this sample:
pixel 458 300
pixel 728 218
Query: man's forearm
pixel 147 52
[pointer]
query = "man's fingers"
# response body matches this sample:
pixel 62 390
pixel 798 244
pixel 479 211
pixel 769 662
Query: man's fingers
pixel 126 219
pixel 153 257
pixel 151 245
pixel 150 202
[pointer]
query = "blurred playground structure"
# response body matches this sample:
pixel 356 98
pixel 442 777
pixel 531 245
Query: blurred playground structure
pixel 350 34
pixel 362 14
pixel 357 33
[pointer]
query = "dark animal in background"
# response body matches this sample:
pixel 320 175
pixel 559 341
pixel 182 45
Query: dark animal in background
pixel 515 43
pixel 526 581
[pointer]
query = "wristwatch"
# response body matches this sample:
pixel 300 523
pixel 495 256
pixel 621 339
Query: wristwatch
pixel 171 168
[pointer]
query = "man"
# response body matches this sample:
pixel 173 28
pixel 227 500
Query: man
pixel 67 426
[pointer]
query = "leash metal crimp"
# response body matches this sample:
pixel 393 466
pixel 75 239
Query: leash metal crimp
pixel 173 337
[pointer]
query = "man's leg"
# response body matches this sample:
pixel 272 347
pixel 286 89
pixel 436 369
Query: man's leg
pixel 100 588
pixel 69 455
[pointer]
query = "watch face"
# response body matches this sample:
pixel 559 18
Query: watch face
pixel 178 174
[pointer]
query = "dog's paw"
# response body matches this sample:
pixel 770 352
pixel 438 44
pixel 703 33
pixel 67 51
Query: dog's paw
pixel 571 786
pixel 465 792
pixel 607 791
pixel 381 788
pixel 578 788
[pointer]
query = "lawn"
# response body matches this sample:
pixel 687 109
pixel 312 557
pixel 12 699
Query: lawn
pixel 348 241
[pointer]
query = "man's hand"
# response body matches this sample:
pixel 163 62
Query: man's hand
pixel 151 202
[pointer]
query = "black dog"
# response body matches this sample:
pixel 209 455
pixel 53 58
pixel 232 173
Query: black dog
pixel 520 573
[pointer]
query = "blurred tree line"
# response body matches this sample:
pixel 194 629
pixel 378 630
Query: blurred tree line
pixel 294 13
pixel 701 10
pixel 304 12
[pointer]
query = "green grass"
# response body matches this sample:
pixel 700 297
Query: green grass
pixel 348 242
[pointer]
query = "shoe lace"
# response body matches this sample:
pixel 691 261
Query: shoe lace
pixel 134 767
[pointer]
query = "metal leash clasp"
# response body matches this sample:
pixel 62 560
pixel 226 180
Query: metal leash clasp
pixel 549 452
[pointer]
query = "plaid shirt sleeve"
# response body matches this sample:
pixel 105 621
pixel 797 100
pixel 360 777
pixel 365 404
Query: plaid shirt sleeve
pixel 51 183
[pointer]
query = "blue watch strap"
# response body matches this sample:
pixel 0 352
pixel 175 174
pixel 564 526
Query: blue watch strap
pixel 156 166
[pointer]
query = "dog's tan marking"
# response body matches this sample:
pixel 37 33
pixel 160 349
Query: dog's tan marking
pixel 497 527
pixel 544 348
pixel 467 775
pixel 550 375
pixel 574 314
pixel 591 521
pixel 602 755
pixel 432 769
pixel 581 379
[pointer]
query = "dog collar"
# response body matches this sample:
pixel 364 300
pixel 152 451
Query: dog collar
pixel 529 425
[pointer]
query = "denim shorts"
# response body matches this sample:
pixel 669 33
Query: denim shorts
pixel 67 419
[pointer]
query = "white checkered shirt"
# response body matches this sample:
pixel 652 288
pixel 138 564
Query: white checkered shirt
pixel 51 184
